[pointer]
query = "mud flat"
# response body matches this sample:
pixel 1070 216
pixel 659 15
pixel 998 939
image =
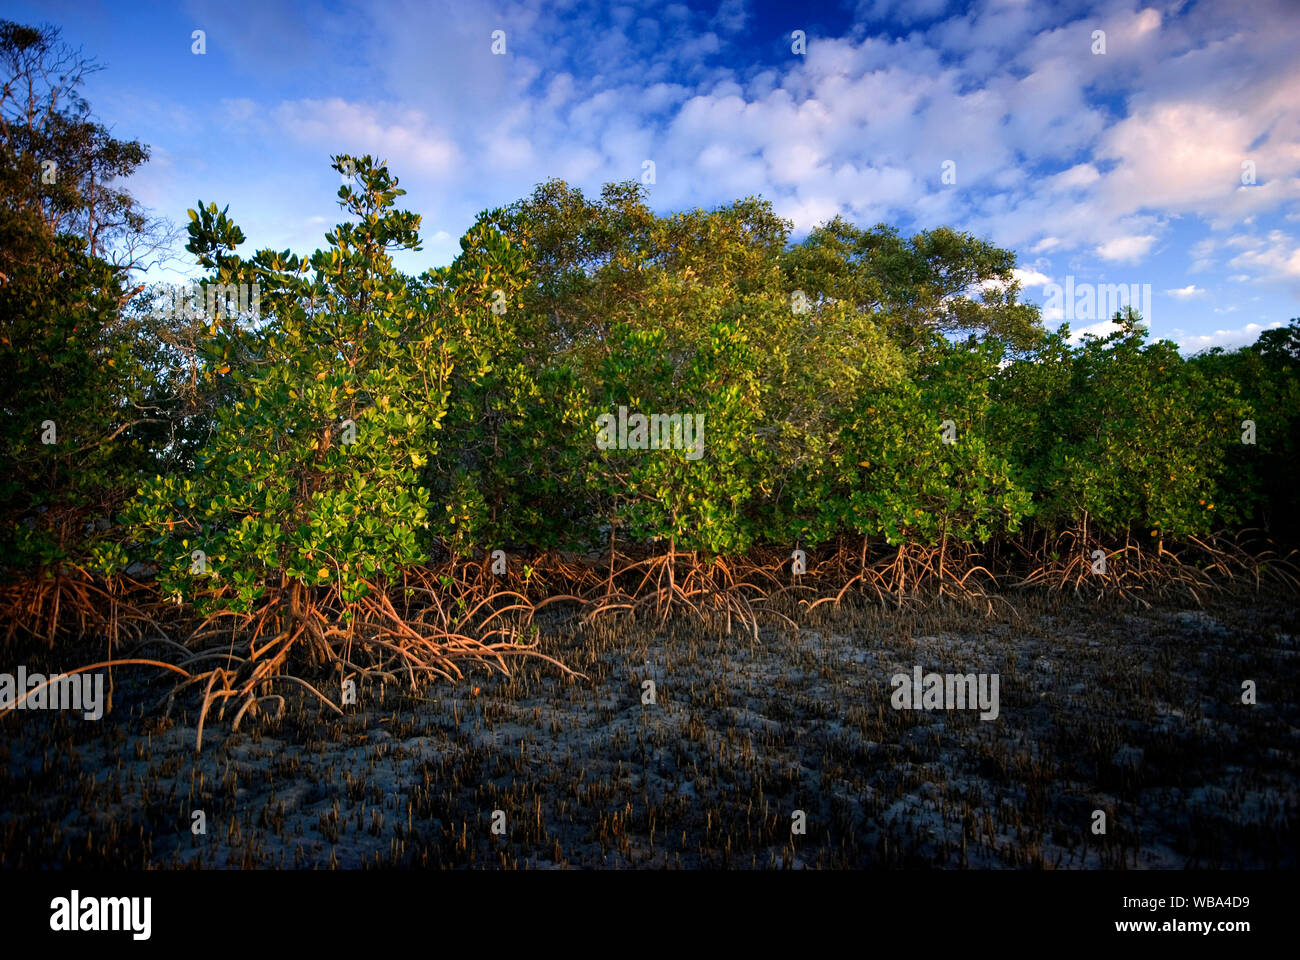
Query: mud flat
pixel 1134 713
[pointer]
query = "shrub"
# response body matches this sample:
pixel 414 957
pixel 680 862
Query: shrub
pixel 336 397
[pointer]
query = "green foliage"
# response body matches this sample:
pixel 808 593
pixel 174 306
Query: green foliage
pixel 336 397
pixel 58 165
pixel 512 422
pixel 1122 434
pixel 694 494
pixel 913 461
pixel 83 398
pixel 74 373
pixel 364 419
pixel 918 286
pixel 1260 476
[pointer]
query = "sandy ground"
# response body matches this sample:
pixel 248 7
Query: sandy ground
pixel 1135 713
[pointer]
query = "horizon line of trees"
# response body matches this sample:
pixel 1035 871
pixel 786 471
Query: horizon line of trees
pixel 859 384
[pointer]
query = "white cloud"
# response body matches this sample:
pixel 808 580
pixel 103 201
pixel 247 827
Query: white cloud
pixel 1103 328
pixel 403 136
pixel 1275 256
pixel 731 16
pixel 862 124
pixel 1030 278
pixel 1226 338
pixel 1125 249
pixel 904 11
pixel 1080 175
pixel 1058 152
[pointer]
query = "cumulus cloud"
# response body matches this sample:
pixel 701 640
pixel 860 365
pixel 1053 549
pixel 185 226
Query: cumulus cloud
pixel 1029 280
pixel 1240 337
pixel 1103 328
pixel 405 137
pixel 1275 256
pixel 864 123
pixel 1125 249
pixel 1192 117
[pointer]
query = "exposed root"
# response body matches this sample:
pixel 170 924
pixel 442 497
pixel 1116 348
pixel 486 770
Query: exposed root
pixel 72 603
pixel 443 620
pixel 1196 570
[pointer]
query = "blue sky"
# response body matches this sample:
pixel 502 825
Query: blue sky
pixel 1117 167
